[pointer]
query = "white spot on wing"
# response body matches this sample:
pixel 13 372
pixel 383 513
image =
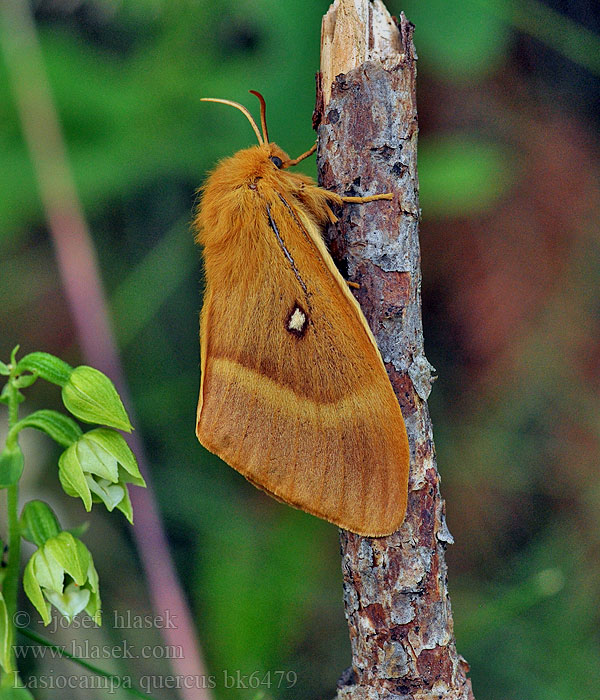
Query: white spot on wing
pixel 297 320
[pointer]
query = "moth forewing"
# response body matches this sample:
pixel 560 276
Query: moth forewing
pixel 316 236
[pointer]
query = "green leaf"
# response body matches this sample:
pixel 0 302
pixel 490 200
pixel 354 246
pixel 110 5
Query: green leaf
pixel 34 591
pixel 91 396
pixel 6 637
pixel 72 478
pixel 59 427
pixel 114 443
pixel 4 369
pixel 38 522
pixel 11 466
pixel 47 366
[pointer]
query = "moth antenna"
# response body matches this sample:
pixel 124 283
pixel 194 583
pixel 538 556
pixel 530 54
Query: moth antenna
pixel 242 109
pixel 263 114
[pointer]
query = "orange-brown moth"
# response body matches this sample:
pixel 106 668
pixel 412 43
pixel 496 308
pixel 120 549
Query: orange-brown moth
pixel 293 393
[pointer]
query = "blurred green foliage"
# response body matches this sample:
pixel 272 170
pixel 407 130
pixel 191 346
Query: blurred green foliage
pixel 264 579
pixel 458 175
pixel 463 41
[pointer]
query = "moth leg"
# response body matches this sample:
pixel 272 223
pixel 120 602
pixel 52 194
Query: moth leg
pixel 354 285
pixel 371 198
pixel 332 217
pixel 338 199
pixel 295 161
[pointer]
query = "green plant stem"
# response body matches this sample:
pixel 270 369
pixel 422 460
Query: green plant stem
pixel 11 579
pixel 118 681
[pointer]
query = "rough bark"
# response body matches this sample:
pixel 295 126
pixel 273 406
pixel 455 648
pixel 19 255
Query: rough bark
pixel 395 588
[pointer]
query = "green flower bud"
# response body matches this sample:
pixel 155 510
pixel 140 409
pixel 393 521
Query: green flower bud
pixel 92 397
pixel 62 573
pixel 38 522
pixel 97 468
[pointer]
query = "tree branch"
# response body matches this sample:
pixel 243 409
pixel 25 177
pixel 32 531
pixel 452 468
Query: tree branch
pixel 395 588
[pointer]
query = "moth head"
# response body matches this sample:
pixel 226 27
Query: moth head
pixel 275 155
